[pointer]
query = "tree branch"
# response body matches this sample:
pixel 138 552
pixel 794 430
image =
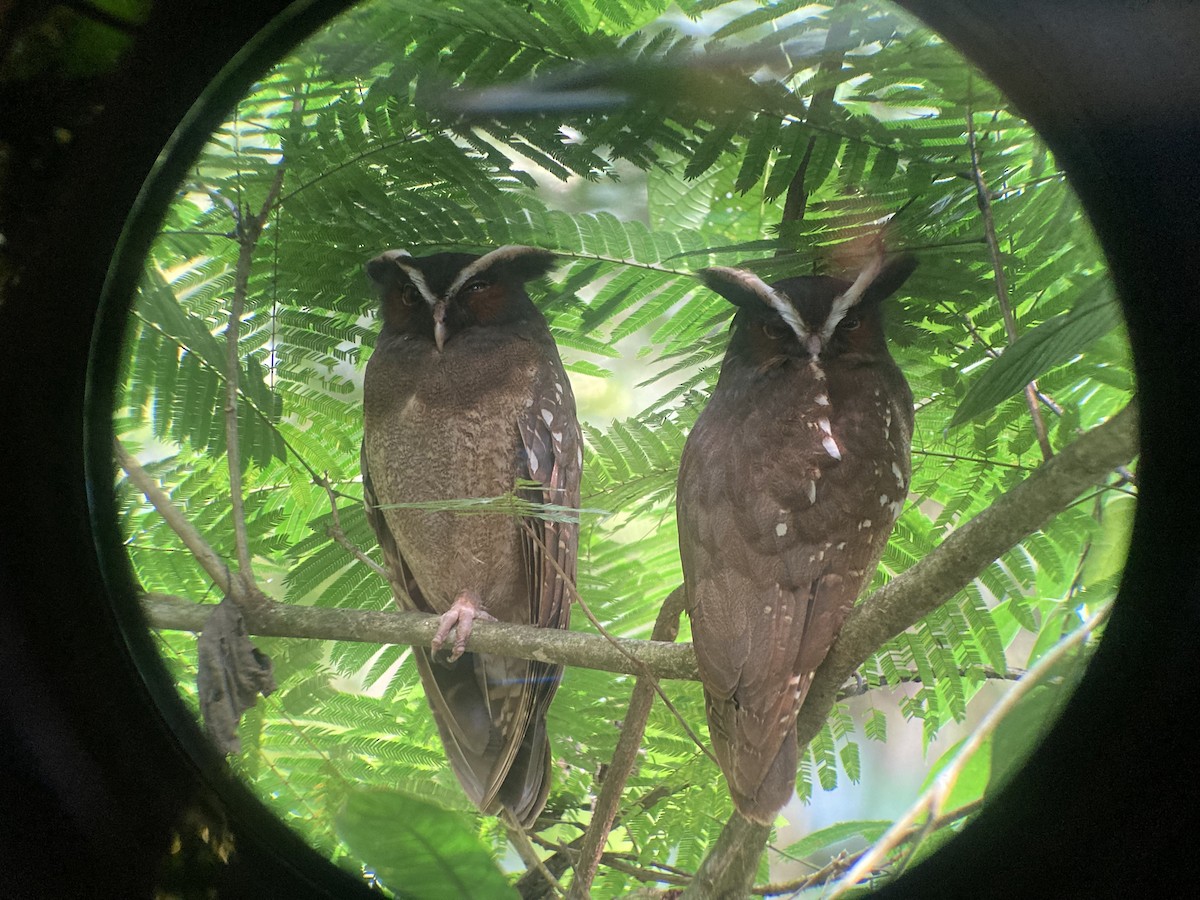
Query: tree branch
pixel 965 552
pixel 394 626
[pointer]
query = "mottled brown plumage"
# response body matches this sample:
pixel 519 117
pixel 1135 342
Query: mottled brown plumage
pixel 789 486
pixel 464 396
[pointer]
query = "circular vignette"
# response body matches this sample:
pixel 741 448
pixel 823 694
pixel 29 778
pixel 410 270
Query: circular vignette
pixel 103 777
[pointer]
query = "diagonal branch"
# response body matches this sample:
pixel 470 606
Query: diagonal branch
pixel 604 812
pixel 208 558
pixel 889 611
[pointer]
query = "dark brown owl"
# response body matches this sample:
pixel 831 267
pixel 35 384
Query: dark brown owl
pixel 465 397
pixel 790 483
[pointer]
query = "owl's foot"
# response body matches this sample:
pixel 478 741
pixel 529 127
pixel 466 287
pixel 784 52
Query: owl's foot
pixel 459 618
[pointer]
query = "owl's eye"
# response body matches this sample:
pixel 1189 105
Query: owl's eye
pixel 410 296
pixel 774 331
pixel 476 285
pixel 849 323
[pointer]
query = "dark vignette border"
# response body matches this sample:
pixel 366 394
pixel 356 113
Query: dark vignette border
pixel 101 762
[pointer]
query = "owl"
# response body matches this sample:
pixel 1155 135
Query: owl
pixel 465 398
pixel 789 486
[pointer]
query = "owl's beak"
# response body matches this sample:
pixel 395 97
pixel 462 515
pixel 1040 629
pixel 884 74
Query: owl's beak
pixel 813 344
pixel 439 324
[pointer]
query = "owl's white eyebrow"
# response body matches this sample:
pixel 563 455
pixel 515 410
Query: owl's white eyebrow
pixel 853 294
pixel 767 294
pixel 418 280
pixel 485 262
pixel 787 312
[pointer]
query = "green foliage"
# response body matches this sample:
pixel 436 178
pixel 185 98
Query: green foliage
pixel 693 169
pixel 418 849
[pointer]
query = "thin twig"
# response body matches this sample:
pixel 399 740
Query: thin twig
pixel 336 532
pixel 843 861
pixel 983 198
pixel 249 230
pixel 604 632
pixel 1045 399
pixel 520 841
pixel 666 627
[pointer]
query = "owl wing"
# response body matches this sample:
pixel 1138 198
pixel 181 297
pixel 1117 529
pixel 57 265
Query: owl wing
pixel 553 460
pixel 550 464
pixel 766 602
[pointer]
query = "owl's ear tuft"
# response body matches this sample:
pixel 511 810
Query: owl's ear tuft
pixel 383 269
pixel 520 263
pixel 739 286
pixel 890 278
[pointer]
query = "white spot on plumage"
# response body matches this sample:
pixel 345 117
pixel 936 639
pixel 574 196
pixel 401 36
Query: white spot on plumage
pixel 533 463
pixel 823 424
pixel 812 492
pixel 865 523
pixel 817 371
pixel 884 499
pixel 831 447
pixel 821 400
pixel 899 475
pixel 557 435
pixel 558 387
pixel 781 529
pixel 767 610
pixel 841 546
pixel 547 416
pixel 896 507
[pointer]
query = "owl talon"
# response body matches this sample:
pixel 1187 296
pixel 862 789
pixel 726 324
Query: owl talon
pixel 460 618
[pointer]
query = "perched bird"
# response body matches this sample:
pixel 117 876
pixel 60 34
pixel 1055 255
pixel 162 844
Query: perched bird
pixel 789 486
pixel 466 398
